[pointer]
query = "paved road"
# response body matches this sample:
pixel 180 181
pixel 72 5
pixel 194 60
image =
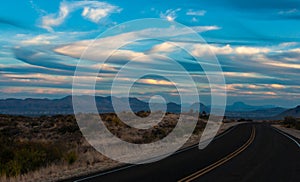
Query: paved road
pixel 248 152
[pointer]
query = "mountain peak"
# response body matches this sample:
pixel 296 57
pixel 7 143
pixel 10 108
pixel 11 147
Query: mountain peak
pixel 239 104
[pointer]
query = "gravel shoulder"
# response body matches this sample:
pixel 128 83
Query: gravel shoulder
pixel 290 131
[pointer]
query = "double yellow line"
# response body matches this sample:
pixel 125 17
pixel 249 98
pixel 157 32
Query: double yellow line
pixel 220 162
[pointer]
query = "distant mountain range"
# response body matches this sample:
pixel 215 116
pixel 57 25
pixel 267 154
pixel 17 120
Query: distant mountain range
pixel 64 106
pixel 256 114
pixel 294 112
pixel 241 106
pixel 104 105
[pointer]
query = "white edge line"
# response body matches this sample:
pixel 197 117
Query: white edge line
pixel 104 173
pixel 177 152
pixel 281 132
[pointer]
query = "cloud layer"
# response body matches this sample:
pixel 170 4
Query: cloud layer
pixel 91 10
pixel 256 43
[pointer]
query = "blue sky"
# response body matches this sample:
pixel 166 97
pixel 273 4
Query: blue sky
pixel 257 43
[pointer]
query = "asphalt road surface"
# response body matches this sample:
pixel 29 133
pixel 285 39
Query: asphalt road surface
pixel 248 152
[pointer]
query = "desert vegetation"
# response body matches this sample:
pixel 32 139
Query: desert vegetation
pixel 291 122
pixel 51 147
pixel 28 144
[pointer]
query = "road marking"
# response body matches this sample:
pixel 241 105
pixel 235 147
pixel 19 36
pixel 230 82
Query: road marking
pixel 287 136
pixel 132 165
pixel 215 138
pixel 222 161
pixel 191 147
pixel 104 173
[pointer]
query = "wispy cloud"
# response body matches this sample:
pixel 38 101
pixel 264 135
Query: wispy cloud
pixel 201 50
pixel 288 44
pixel 163 47
pixel 92 10
pixel 170 14
pixel 107 44
pixel 288 12
pixel 99 11
pixel 246 75
pixel 39 40
pixel 196 13
pixel 155 82
pixel 257 63
pixel 201 29
pixel 42 59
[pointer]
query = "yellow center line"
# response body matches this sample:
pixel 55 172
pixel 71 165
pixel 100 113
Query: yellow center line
pixel 221 161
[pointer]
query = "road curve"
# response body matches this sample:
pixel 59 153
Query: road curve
pixel 248 152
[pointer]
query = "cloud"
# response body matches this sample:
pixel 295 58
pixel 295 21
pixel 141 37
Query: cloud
pixel 281 59
pixel 75 50
pixel 39 78
pixel 96 14
pixel 48 91
pixel 54 20
pixel 246 75
pixel 285 12
pixel 277 86
pixel 201 29
pixel 254 89
pixel 170 14
pixel 288 44
pixel 163 47
pixel 37 8
pixel 39 40
pixel 282 65
pixel 196 13
pixel 92 10
pixel 42 59
pixel 251 50
pixel 194 19
pixel 53 63
pixel 202 50
pixel 156 82
pixel 108 44
pixel 35 90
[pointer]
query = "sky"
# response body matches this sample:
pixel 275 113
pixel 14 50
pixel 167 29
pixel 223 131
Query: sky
pixel 257 44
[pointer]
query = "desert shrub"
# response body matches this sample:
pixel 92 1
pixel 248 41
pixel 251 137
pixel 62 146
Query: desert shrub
pixel 11 168
pixel 19 158
pixel 159 133
pixel 68 129
pixel 297 125
pixel 147 138
pixel 199 127
pixel 10 131
pixel 116 121
pixel 241 120
pixel 143 114
pixel 289 120
pixel 71 157
pixel 21 149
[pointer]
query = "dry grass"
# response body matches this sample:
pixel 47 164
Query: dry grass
pixel 86 158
